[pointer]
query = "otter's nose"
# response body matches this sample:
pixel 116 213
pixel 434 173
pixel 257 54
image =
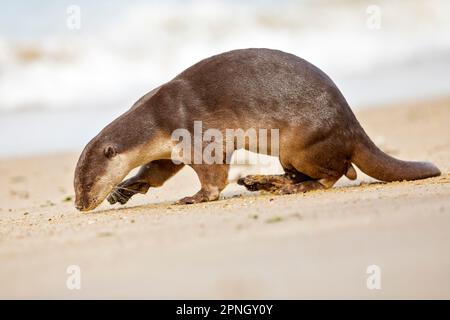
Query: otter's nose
pixel 81 201
pixel 79 204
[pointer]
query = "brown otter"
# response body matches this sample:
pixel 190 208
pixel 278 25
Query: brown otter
pixel 319 136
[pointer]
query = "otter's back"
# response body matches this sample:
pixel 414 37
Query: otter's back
pixel 250 83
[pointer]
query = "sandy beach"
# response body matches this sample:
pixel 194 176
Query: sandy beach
pixel 313 245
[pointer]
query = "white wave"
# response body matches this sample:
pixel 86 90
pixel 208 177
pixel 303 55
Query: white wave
pixel 113 64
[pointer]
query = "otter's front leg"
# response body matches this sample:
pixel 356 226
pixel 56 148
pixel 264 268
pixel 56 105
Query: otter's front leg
pixel 153 174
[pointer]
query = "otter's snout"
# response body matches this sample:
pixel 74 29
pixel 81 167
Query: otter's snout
pixel 86 200
pixel 82 202
pixel 82 208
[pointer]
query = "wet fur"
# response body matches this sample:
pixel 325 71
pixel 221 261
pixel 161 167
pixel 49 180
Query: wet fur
pixel 320 137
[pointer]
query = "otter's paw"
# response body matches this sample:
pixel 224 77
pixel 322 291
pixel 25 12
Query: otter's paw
pixel 116 196
pixel 263 182
pixel 125 190
pixel 190 200
pixel 299 187
pixel 249 183
pixel 201 196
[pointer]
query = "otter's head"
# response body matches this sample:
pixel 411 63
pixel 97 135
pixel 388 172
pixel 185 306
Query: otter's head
pixel 100 168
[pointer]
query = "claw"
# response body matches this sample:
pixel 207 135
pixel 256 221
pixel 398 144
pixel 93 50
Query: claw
pixel 125 190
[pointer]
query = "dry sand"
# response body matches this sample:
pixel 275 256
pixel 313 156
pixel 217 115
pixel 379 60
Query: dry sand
pixel 314 245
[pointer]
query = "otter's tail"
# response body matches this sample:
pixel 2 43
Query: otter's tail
pixel 381 166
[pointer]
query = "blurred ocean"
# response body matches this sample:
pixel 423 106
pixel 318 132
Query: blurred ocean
pixel 59 87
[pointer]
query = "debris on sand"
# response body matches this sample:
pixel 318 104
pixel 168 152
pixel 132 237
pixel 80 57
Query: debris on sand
pixel 274 219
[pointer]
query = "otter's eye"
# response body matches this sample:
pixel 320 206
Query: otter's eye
pixel 110 151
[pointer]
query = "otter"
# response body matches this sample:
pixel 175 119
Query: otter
pixel 319 136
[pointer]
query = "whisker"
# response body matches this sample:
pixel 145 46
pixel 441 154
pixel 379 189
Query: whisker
pixel 119 194
pixel 122 198
pixel 111 199
pixel 114 195
pixel 125 189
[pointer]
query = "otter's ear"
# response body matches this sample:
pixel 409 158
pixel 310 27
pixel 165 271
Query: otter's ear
pixel 110 151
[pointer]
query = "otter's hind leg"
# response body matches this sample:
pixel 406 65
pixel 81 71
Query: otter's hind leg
pixel 153 174
pixel 213 179
pixel 310 170
pixel 323 162
pixel 304 186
